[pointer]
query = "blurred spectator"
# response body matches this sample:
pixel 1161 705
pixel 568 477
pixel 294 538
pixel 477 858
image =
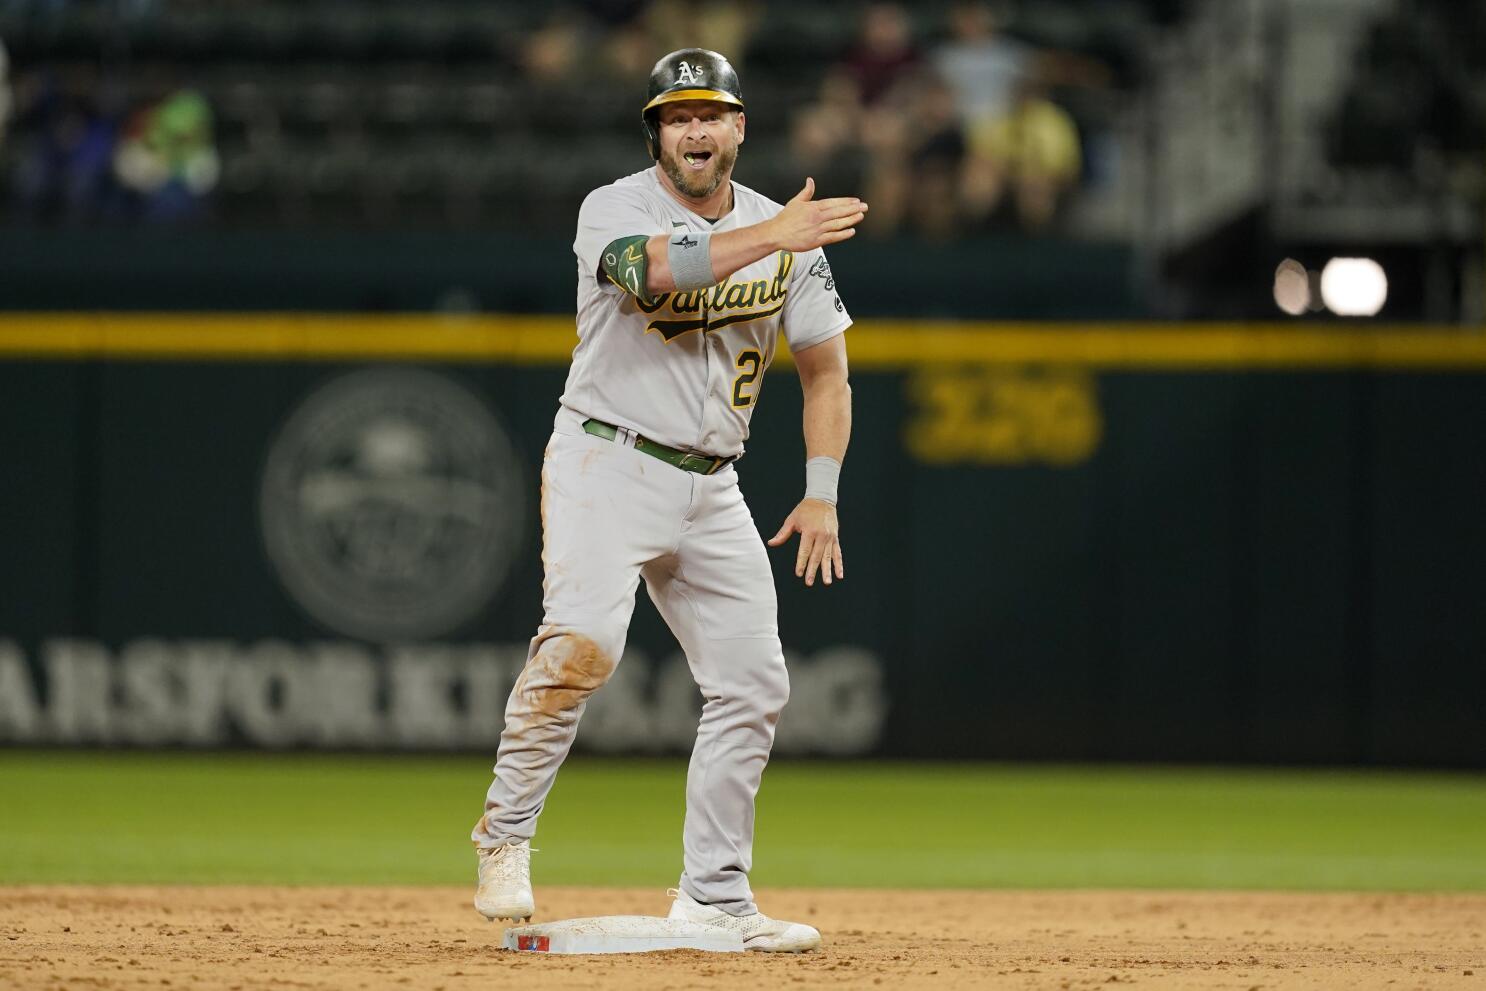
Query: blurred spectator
pixel 168 158
pixel 1022 147
pixel 883 60
pixel 721 25
pixel 985 66
pixel 1033 150
pixel 602 41
pixel 62 171
pixel 862 109
pixel 629 53
pixel 936 157
pixel 947 140
pixel 831 124
pixel 552 53
pixel 884 55
pixel 982 66
pixel 916 148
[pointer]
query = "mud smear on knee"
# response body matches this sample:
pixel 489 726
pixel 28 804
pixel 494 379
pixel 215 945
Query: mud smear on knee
pixel 572 667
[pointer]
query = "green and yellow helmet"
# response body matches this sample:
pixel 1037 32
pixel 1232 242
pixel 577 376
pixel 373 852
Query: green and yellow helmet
pixel 687 74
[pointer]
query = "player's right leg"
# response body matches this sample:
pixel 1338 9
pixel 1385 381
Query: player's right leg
pixel 606 509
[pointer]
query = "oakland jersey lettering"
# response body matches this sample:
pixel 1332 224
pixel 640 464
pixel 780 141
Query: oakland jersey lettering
pixel 673 367
pixel 728 302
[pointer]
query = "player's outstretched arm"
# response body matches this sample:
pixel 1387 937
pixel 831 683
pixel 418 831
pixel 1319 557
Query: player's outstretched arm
pixel 827 425
pixel 803 224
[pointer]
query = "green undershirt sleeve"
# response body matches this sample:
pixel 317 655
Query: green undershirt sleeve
pixel 625 263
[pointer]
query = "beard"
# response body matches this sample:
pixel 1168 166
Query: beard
pixel 700 185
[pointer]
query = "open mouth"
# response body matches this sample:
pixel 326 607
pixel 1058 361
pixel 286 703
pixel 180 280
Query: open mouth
pixel 696 160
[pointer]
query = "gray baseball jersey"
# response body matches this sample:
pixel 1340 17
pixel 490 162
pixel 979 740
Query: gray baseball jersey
pixel 685 369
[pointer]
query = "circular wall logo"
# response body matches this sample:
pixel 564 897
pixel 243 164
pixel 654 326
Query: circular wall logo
pixel 392 504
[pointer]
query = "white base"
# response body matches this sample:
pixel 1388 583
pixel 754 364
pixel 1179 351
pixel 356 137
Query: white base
pixel 621 934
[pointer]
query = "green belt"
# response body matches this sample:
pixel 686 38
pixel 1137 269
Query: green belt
pixel 702 464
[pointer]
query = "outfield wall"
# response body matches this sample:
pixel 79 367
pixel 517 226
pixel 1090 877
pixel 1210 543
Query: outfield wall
pixel 1214 543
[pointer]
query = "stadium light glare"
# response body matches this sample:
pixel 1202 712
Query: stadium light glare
pixel 1292 287
pixel 1354 287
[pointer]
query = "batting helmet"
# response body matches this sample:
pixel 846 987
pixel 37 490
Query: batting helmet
pixel 687 74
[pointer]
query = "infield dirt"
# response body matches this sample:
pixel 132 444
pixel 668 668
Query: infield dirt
pixel 248 938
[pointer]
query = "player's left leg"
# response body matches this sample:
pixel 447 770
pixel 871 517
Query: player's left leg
pixel 717 595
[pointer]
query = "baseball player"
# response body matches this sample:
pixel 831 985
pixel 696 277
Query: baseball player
pixel 685 280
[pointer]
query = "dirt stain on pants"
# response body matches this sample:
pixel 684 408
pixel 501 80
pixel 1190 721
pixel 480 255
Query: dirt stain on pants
pixel 565 670
pixel 541 720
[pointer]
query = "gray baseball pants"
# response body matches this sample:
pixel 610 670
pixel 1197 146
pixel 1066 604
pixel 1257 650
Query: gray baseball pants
pixel 610 516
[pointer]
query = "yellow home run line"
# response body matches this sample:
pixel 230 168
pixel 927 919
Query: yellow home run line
pixel 873 344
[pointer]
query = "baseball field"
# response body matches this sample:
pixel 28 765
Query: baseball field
pixel 123 870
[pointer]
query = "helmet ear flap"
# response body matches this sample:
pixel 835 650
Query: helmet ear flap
pixel 652 135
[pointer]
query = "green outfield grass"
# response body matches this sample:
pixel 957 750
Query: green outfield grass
pixel 203 818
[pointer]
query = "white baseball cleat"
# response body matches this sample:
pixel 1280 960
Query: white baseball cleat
pixel 505 882
pixel 759 932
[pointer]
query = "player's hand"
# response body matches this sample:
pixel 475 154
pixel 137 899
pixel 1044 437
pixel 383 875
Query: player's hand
pixel 807 223
pixel 820 541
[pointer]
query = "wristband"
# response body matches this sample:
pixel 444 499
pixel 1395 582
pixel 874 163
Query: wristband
pixel 690 255
pixel 821 476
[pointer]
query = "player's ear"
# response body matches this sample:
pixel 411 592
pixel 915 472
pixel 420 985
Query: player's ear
pixel 739 122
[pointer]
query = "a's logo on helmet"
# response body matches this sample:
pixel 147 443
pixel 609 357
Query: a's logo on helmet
pixel 686 74
pixel 392 504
